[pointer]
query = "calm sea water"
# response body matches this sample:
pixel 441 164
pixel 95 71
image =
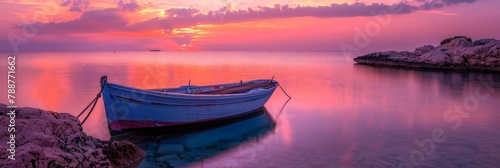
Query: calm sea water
pixel 340 114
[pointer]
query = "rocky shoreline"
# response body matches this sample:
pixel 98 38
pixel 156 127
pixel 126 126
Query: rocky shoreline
pixel 458 53
pixel 51 139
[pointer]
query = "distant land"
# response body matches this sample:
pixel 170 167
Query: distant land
pixel 454 53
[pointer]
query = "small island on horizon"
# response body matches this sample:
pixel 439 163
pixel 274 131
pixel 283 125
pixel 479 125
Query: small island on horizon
pixel 454 53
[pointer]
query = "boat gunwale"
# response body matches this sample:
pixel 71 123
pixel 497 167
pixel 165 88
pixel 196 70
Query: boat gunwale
pixel 193 95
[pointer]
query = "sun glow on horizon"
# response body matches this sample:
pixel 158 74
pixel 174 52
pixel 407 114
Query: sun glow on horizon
pixel 278 25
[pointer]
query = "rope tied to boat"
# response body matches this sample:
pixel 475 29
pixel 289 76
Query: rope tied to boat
pixel 93 102
pixel 289 97
pixel 282 107
pixel 271 81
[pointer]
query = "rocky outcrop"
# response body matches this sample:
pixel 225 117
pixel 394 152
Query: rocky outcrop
pixel 459 53
pixel 50 139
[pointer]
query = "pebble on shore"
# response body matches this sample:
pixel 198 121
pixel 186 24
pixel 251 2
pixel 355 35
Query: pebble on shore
pixel 459 53
pixel 51 139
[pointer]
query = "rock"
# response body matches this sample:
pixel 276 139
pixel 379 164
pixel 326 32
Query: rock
pixel 493 60
pixel 423 50
pixel 457 60
pixel 473 62
pixel 122 153
pixel 469 54
pixel 435 57
pixel 494 50
pixel 458 43
pixel 483 41
pixel 458 53
pixel 50 139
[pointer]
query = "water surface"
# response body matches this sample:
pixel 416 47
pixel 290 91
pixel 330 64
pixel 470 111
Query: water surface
pixel 341 114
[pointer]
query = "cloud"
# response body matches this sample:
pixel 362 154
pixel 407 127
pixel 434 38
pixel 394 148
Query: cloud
pixel 65 2
pixel 77 5
pixel 106 20
pixel 94 21
pixel 131 6
pixel 152 24
pixel 190 17
pixel 436 4
pixel 181 12
pixel 450 2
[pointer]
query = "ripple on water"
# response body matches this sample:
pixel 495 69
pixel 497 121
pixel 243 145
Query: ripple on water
pixel 460 149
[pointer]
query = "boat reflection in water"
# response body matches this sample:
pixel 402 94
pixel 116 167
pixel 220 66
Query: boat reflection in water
pixel 181 147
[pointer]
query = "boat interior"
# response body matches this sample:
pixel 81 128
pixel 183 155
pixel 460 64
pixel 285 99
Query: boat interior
pixel 234 88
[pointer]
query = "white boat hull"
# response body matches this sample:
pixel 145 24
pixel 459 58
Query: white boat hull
pixel 129 108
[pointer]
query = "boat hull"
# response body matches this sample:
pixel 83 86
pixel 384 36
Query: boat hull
pixel 131 108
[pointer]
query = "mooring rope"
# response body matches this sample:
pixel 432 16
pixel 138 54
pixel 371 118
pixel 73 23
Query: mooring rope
pixel 289 97
pixel 93 103
pixel 282 107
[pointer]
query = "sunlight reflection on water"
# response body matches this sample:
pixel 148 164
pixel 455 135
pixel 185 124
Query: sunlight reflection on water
pixel 341 114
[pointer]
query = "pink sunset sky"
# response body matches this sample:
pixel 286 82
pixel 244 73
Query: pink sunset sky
pixel 241 25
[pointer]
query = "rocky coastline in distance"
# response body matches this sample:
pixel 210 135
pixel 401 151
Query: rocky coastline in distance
pixel 455 53
pixel 50 139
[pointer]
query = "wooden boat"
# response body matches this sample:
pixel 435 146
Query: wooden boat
pixel 132 108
